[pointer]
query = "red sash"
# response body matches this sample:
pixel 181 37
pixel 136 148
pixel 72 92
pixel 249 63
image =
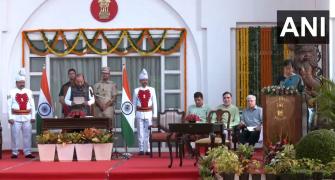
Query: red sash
pixel 144 96
pixel 22 100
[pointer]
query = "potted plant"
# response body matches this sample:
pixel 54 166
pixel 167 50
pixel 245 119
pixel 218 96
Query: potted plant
pixel 244 153
pixel 270 173
pixel 102 145
pixel 227 164
pixel 65 147
pixel 46 144
pixel 83 144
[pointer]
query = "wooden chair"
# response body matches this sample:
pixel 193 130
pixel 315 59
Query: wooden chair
pixel 163 121
pixel 219 136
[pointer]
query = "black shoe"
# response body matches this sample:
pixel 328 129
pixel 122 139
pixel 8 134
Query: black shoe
pixel 147 153
pixel 30 156
pixel 14 156
pixel 141 153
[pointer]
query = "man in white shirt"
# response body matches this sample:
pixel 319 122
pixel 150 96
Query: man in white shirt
pixel 21 112
pixel 80 96
pixel 145 103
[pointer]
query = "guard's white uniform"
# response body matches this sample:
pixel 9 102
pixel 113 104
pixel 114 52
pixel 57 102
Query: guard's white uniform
pixel 21 108
pixel 145 104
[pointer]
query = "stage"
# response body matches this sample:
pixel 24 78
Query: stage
pixel 137 167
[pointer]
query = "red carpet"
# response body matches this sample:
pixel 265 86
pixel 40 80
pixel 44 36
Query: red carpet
pixel 138 167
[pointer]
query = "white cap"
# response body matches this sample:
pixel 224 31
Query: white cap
pixel 143 75
pixel 21 75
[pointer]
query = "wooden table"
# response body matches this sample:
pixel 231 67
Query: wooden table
pixel 76 123
pixel 188 128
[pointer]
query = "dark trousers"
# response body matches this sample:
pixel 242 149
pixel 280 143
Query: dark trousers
pixel 250 137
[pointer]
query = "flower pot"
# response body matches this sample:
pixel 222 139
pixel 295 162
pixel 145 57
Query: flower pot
pixel 286 176
pixel 84 152
pixel 228 176
pixel 317 175
pixel 256 176
pixel 244 176
pixel 271 177
pixel 65 152
pixel 103 151
pixel 46 152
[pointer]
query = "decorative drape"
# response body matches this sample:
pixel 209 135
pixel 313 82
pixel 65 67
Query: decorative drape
pixel 265 52
pixel 258 61
pixel 113 38
pixel 242 65
pixel 278 51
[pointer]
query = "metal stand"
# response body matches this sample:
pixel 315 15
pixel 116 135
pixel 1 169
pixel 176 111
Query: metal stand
pixel 115 153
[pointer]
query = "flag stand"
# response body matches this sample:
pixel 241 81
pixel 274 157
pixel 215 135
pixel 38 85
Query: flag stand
pixel 116 154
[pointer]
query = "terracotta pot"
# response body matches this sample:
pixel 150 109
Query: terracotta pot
pixel 244 176
pixel 103 151
pixel 228 176
pixel 84 152
pixel 317 175
pixel 271 177
pixel 256 176
pixel 65 152
pixel 46 152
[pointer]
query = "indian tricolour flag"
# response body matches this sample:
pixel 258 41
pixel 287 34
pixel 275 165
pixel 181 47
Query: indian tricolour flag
pixel 44 108
pixel 128 114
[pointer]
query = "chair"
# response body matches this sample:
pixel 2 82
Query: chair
pixel 163 121
pixel 220 137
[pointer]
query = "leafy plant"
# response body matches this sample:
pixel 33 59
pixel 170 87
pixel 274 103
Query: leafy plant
pixel 245 151
pixel 283 161
pixel 88 134
pixel 228 162
pixel 103 137
pixel 326 101
pixel 65 138
pixel 47 137
pixel 318 144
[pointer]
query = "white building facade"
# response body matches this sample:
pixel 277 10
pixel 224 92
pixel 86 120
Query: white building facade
pixel 210 50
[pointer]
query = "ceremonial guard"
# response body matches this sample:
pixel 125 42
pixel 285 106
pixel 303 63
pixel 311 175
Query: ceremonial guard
pixel 145 103
pixel 21 112
pixel 105 95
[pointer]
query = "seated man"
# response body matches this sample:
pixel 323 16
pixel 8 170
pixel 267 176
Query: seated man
pixel 234 114
pixel 251 122
pixel 199 108
pixel 80 97
pixel 234 111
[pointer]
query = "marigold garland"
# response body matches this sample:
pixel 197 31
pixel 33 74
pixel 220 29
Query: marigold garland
pixel 90 44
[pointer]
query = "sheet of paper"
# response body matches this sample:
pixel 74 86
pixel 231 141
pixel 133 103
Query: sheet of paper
pixel 251 128
pixel 78 100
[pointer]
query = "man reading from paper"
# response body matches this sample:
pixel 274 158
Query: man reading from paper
pixel 80 98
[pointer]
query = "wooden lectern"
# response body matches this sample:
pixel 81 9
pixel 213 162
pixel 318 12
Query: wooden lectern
pixel 282 117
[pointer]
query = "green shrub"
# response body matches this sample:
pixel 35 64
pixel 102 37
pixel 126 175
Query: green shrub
pixel 319 144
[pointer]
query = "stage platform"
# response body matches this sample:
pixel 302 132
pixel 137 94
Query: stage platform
pixel 137 167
